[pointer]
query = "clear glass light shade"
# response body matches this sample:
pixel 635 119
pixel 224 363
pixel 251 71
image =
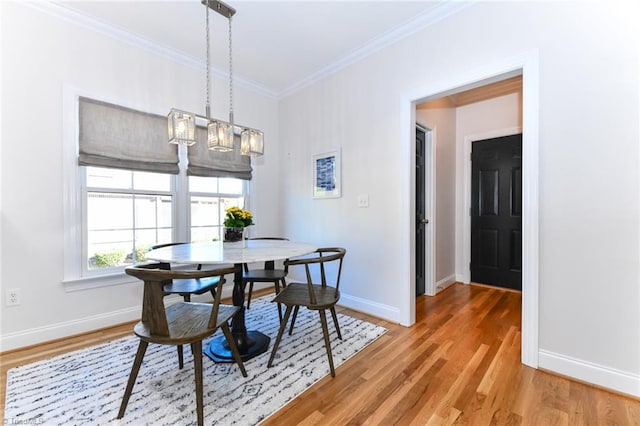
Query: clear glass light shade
pixel 182 127
pixel 220 136
pixel 252 142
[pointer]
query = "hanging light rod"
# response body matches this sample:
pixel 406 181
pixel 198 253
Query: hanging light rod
pixel 220 7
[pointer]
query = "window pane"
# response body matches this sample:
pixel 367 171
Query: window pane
pixel 230 202
pixel 151 181
pixel 152 211
pixel 204 211
pixel 203 184
pixel 107 211
pixel 109 229
pixel 98 177
pixel 230 186
pixel 122 227
pixel 205 219
pixel 205 234
pixel 207 216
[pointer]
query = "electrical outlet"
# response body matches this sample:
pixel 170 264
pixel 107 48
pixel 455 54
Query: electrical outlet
pixel 13 297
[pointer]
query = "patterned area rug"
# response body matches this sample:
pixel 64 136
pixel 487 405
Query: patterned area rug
pixel 86 386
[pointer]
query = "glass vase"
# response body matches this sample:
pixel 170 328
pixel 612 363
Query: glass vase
pixel 235 237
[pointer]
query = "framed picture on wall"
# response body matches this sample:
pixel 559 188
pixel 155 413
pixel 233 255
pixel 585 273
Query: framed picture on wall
pixel 326 174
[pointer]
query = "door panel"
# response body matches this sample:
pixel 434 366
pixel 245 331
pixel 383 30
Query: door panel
pixel 496 212
pixel 488 192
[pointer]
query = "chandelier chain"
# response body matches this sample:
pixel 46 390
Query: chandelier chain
pixel 230 74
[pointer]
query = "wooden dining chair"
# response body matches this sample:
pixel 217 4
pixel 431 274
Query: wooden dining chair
pixel 179 324
pixel 267 274
pixel 317 297
pixel 187 287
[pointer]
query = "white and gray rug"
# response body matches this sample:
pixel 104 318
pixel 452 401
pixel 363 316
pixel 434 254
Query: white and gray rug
pixel 86 386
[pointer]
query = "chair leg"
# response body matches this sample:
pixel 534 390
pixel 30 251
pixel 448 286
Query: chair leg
pixel 335 322
pixel 327 343
pixel 283 325
pixel 249 295
pixel 142 348
pixel 277 288
pixel 213 293
pixel 186 297
pixel 196 349
pixel 180 357
pixel 233 347
pixel 293 320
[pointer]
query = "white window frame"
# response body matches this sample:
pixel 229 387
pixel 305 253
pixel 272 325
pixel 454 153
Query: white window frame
pixel 74 187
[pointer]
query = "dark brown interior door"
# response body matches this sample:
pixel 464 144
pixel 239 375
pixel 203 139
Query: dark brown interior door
pixel 496 212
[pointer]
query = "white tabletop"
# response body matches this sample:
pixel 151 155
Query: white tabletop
pixel 217 252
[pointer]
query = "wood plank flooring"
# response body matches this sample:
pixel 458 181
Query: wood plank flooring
pixel 460 364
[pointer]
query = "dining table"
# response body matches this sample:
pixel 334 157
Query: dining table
pixel 250 342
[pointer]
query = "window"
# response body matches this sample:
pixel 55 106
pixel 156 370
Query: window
pixel 125 189
pixel 129 211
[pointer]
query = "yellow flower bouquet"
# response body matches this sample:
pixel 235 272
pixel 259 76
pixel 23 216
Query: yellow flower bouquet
pixel 237 218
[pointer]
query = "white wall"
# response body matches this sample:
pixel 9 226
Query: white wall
pixel 589 322
pixel 42 56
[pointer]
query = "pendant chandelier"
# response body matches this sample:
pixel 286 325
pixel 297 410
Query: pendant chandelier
pixel 220 134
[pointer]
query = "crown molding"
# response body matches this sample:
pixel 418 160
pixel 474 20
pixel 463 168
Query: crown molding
pixel 422 21
pixel 57 10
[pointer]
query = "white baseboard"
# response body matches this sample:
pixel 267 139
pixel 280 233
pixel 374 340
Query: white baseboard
pixel 462 278
pixel 50 332
pixel 610 378
pixel 379 310
pixel 389 313
pixel 445 282
pixel 37 335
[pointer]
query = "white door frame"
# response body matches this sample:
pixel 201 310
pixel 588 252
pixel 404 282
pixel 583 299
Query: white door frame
pixel 526 64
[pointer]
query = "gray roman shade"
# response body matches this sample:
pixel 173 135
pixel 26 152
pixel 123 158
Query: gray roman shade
pixel 204 162
pixel 118 137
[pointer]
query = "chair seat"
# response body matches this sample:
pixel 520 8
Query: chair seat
pixel 298 294
pixel 188 322
pixel 267 275
pixel 193 286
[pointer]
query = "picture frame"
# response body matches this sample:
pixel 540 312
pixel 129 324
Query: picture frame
pixel 327 174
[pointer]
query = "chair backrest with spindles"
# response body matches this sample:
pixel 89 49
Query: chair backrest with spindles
pixel 321 257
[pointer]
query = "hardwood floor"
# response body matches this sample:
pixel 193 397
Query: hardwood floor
pixel 460 364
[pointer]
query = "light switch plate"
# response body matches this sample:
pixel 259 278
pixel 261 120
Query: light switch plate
pixel 363 200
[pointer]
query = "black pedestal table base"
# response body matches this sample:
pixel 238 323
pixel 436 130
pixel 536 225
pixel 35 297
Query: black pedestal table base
pixel 250 343
pixel 219 351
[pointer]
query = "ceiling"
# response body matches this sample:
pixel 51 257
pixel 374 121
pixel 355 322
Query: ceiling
pixel 278 45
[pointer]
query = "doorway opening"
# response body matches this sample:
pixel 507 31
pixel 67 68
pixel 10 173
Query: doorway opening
pixel 526 66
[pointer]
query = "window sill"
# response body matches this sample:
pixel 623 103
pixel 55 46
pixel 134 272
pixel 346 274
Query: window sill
pixel 87 283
